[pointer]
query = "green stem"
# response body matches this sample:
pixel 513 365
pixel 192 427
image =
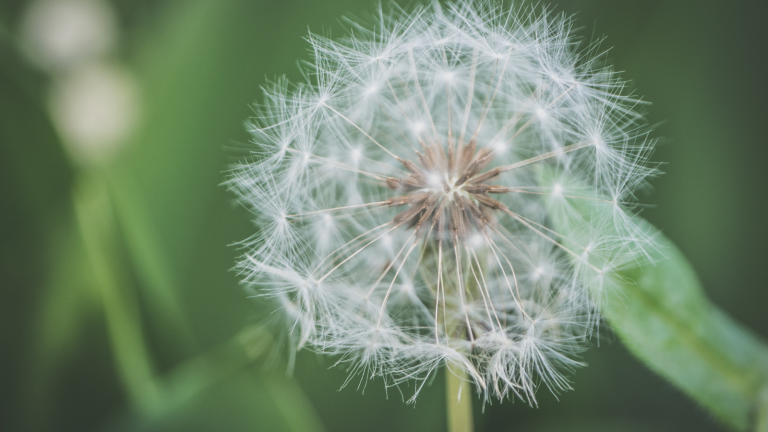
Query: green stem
pixel 458 401
pixel 93 208
pixel 149 392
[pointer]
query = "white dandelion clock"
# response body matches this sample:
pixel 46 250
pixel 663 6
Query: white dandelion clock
pixel 406 195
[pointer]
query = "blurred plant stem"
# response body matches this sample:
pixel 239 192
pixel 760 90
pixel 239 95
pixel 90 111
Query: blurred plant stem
pixel 458 400
pixel 148 392
pixel 93 209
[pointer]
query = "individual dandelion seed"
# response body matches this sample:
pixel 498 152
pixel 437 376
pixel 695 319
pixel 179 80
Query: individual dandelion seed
pixel 406 194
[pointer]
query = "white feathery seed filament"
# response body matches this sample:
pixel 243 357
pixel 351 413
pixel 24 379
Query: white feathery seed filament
pixel 472 133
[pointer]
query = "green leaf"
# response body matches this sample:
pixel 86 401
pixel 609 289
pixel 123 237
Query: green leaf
pixel 199 67
pixel 665 319
pixel 95 218
pixel 45 296
pixel 69 301
pixel 659 311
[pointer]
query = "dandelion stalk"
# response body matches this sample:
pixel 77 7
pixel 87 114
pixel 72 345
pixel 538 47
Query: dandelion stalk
pixel 458 401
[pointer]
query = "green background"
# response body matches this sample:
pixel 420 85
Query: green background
pixel 199 64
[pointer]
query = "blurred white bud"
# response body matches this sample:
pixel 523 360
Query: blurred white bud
pixel 60 34
pixel 95 110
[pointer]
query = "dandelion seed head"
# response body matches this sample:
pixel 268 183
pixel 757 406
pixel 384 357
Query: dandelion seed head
pixel 399 227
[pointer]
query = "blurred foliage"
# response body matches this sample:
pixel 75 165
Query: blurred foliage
pixel 658 309
pixel 146 237
pixel 666 321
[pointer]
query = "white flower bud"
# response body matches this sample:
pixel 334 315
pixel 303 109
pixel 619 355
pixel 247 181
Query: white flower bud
pixel 95 109
pixel 60 34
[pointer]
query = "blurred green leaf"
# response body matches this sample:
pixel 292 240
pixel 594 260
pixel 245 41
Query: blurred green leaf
pixel 163 187
pixel 32 160
pixel 38 313
pixel 69 300
pixel 196 67
pixel 662 315
pixel 178 394
pixel 96 222
pixel 665 319
pixel 197 84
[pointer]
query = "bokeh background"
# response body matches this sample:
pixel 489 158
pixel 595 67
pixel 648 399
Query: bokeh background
pixel 118 307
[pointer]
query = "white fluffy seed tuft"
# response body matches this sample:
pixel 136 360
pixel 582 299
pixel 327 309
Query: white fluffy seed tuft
pixel 406 195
